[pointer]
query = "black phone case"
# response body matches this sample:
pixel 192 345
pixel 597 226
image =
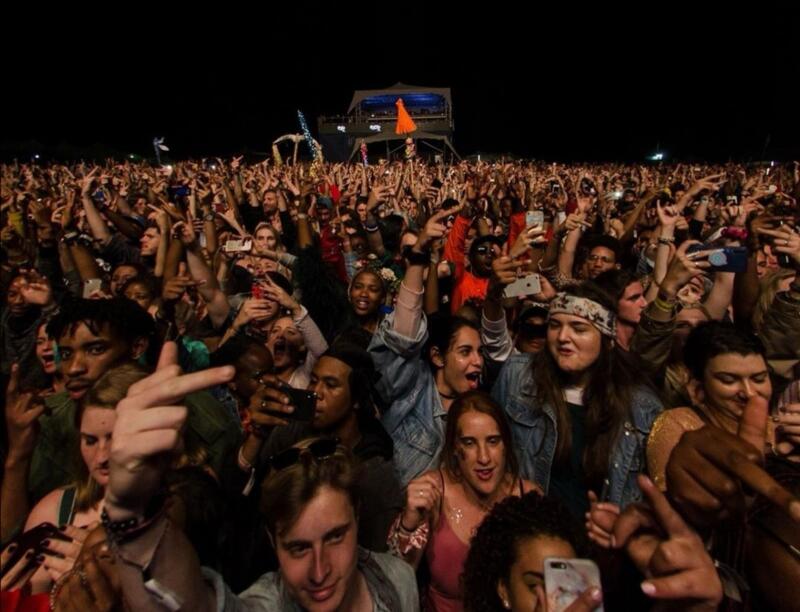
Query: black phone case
pixel 304 403
pixel 32 540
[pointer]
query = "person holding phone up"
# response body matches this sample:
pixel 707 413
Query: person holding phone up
pixel 338 403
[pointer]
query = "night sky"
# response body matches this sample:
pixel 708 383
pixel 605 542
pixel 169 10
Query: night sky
pixel 542 87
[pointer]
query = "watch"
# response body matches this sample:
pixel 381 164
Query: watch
pixel 209 216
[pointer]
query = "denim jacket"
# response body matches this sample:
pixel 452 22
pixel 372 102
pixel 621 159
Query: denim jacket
pixel 415 419
pixel 535 436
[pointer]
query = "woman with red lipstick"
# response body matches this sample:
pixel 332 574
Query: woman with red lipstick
pixel 444 507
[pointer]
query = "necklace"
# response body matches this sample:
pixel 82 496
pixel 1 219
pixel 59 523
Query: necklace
pixel 456 515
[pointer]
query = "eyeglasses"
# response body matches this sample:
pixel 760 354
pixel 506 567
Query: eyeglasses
pixel 319 449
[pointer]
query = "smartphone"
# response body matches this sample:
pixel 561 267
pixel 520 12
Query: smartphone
pixel 566 579
pixel 723 259
pixel 304 402
pixel 238 246
pixel 784 260
pixel 32 540
pixel 561 217
pixel 716 235
pixel 534 218
pixel 90 286
pixel 527 285
pixel 180 190
pixel 255 292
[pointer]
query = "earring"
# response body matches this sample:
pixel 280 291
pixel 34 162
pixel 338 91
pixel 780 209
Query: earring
pixel 506 605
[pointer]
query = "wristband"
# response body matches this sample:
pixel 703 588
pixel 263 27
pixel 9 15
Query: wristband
pixel 415 258
pixel 121 531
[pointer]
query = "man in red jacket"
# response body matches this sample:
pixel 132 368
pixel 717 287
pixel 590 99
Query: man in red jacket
pixel 470 284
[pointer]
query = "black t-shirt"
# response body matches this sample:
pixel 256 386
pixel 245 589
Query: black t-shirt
pixel 568 480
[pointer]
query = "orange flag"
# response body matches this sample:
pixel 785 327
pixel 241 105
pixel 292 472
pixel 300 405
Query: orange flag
pixel 405 124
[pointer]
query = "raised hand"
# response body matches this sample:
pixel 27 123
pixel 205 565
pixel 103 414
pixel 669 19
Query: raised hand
pixel 669 553
pixel 147 428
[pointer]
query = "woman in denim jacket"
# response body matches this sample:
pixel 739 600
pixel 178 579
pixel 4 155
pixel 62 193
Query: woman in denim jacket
pixel 580 413
pixel 422 370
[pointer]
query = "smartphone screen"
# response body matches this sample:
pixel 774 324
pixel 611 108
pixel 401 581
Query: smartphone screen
pixel 534 218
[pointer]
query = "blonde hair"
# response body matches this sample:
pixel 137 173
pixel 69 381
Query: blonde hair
pixel 279 247
pixel 110 389
pixel 769 288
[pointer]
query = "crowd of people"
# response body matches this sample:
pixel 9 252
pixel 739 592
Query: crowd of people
pixel 400 386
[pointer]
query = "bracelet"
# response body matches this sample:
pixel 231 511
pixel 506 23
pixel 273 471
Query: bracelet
pixel 401 541
pixel 663 306
pixel 302 216
pixel 664 297
pixel 69 237
pixel 122 531
pixel 57 586
pixel 371 228
pixel 666 241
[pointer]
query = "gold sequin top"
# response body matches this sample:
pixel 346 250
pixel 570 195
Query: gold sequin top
pixel 664 436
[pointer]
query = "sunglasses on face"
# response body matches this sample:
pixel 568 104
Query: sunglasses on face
pixel 319 450
pixel 529 331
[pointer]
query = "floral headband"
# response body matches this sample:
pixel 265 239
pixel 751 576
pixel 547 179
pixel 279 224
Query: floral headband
pixel 599 316
pixel 388 277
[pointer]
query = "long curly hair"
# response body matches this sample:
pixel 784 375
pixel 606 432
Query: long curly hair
pixel 494 547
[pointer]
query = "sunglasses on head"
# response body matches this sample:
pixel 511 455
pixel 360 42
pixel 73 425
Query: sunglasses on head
pixel 319 450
